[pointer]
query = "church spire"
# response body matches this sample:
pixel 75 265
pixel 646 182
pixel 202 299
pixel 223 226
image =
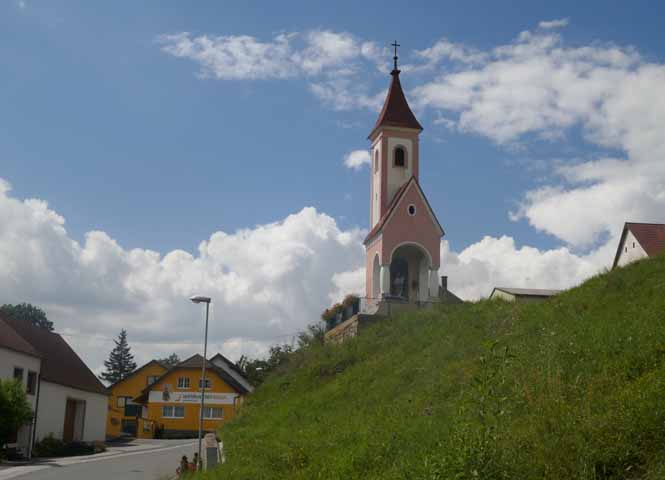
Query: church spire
pixel 396 111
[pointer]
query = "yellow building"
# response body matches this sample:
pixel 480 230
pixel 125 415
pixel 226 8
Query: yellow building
pixel 172 403
pixel 123 413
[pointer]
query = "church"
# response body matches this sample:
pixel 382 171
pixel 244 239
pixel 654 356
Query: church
pixel 403 244
pixel 404 241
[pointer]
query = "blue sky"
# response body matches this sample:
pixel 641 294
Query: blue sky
pixel 180 144
pixel 121 137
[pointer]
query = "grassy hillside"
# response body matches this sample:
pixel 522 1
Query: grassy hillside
pixel 570 388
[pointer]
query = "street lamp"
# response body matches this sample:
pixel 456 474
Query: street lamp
pixel 206 300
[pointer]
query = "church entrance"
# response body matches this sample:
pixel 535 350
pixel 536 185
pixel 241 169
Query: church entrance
pixel 409 273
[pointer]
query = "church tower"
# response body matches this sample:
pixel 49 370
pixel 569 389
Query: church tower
pixel 403 245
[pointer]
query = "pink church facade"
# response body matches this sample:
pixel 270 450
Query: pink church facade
pixel 403 245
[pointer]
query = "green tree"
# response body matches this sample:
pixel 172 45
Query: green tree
pixel 121 361
pixel 15 410
pixel 170 361
pixel 27 312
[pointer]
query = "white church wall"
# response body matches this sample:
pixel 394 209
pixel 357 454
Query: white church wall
pixel 631 250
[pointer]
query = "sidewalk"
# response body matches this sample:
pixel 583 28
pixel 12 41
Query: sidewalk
pixel 136 447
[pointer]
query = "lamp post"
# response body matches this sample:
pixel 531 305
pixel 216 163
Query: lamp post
pixel 206 300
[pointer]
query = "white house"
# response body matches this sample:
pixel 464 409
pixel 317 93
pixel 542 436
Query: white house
pixel 20 361
pixel 639 240
pixel 68 399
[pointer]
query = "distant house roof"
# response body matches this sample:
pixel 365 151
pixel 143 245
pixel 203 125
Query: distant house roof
pixel 234 371
pixel 196 362
pixel 393 205
pixel 151 362
pixel 60 364
pixel 13 341
pixel 396 111
pixel 527 292
pixel 650 235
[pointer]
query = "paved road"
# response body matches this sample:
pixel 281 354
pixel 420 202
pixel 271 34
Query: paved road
pixel 144 465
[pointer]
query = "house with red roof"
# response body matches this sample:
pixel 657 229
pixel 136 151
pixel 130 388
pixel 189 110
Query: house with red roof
pixel 639 240
pixel 67 399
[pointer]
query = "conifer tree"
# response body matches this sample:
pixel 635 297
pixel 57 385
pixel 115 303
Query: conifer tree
pixel 121 361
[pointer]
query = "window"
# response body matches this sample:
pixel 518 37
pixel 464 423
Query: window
pixel 633 244
pixel 213 412
pixel 170 411
pixel 32 383
pixel 122 402
pixel 376 160
pixel 18 374
pixel 400 157
pixel 150 379
pixel 412 209
pixel 183 382
pixel 208 383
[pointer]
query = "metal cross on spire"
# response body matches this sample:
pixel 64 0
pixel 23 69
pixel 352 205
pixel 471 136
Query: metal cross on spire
pixel 395 44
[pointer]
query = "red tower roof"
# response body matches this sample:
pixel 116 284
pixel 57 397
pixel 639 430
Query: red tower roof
pixel 396 111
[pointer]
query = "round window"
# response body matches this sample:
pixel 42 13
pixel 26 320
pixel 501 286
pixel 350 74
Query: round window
pixel 412 209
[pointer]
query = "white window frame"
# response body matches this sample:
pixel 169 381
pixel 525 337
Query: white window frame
pixel 154 377
pixel 121 402
pixel 184 385
pixel 208 384
pixel 208 411
pixel 173 411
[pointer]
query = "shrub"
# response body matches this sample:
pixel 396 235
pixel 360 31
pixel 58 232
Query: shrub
pixel 15 410
pixel 50 446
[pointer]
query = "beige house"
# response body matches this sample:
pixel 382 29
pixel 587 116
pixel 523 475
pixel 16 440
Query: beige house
pixel 522 294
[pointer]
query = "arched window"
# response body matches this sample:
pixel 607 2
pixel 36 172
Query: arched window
pixel 376 160
pixel 400 157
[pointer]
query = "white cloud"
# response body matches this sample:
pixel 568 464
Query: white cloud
pixel 551 24
pixel 352 281
pixel 334 64
pixel 538 86
pixel 356 159
pixel 493 262
pixel 244 57
pixel 267 282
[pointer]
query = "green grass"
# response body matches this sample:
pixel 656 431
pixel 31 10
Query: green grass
pixel 570 388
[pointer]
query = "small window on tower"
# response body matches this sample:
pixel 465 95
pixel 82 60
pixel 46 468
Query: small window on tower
pixel 400 157
pixel 376 160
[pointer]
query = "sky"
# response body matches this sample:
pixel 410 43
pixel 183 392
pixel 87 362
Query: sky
pixel 153 150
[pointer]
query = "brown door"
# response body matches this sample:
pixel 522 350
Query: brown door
pixel 70 415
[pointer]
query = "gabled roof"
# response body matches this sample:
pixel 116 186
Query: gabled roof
pixel 135 372
pixel 396 111
pixel 528 292
pixel 233 370
pixel 13 341
pixel 196 362
pixel 60 364
pixel 650 235
pixel 399 194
